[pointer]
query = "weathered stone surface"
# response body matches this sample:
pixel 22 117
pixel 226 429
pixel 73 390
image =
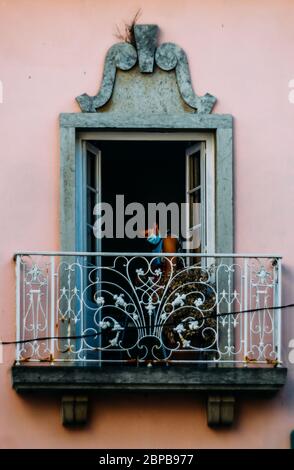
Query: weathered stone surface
pixel 220 409
pixel 224 192
pixel 146 41
pixel 155 93
pixel 121 55
pixel 67 188
pixel 75 378
pixel 141 120
pixel 220 384
pixel 74 410
pixel 168 57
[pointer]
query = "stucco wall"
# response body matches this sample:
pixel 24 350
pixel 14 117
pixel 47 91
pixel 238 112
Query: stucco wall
pixel 52 51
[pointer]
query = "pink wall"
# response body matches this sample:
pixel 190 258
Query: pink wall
pixel 52 51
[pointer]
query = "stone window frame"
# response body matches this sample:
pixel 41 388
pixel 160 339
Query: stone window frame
pixel 222 126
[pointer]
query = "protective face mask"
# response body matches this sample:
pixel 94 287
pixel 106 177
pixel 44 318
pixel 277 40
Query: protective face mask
pixel 154 239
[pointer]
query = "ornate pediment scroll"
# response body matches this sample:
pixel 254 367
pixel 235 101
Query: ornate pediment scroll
pixel 148 57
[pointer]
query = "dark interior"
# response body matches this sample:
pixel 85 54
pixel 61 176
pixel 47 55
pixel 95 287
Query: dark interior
pixel 143 171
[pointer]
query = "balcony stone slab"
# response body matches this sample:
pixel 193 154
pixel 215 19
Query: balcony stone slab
pixel 85 378
pixel 74 383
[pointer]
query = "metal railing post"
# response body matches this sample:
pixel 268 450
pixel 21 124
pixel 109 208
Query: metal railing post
pixel 52 308
pixel 18 319
pixel 245 307
pixel 278 302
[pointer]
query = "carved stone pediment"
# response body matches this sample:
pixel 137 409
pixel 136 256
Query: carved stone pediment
pixel 163 73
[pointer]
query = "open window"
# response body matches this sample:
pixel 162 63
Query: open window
pixel 160 169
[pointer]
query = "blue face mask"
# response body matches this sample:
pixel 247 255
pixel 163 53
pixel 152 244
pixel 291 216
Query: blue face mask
pixel 154 239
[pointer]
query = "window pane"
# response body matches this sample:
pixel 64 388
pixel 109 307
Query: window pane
pixel 195 208
pixel 91 169
pixel 91 198
pixel 195 239
pixel 194 170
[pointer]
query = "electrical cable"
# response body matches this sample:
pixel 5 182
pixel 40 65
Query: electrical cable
pixel 166 325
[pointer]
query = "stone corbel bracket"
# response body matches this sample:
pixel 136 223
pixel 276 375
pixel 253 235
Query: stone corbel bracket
pixel 74 410
pixel 220 409
pixel 167 57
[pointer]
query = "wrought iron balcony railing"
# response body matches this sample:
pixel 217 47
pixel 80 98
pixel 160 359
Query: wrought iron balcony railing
pixel 140 308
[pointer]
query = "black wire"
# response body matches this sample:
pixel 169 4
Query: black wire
pixel 166 325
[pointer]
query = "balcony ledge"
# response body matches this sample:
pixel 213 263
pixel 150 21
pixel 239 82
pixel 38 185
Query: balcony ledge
pixel 79 379
pixel 74 382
